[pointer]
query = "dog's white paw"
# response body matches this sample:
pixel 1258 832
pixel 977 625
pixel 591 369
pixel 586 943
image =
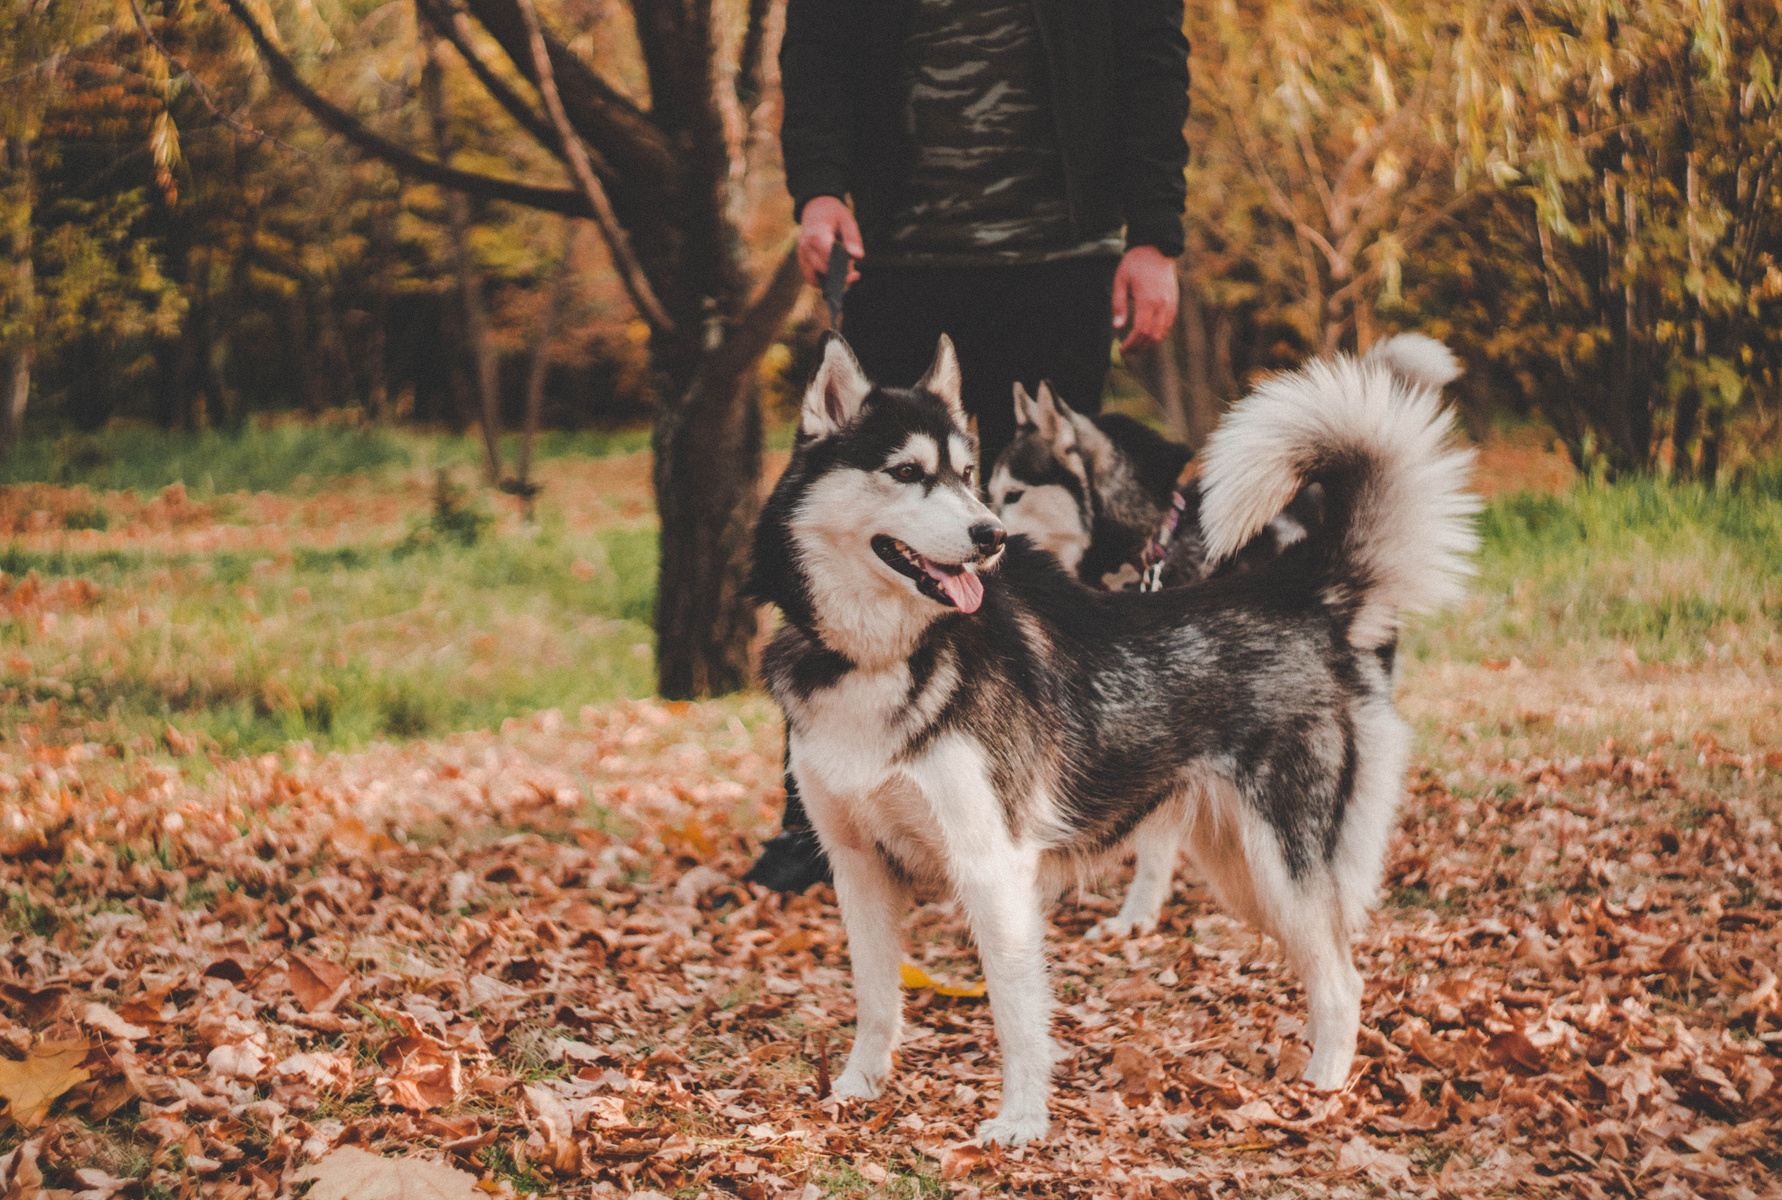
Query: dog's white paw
pixel 1109 929
pixel 1013 1129
pixel 855 1084
pixel 1327 1072
pixel 1118 929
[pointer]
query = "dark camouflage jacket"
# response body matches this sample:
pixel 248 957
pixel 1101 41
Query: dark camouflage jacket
pixel 1118 77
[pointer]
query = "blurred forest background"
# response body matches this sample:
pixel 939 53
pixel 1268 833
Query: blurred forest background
pixel 220 212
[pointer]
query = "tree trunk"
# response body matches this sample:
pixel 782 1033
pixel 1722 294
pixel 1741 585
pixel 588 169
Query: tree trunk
pixel 377 373
pixel 1158 369
pixel 1689 407
pixel 1203 403
pixel 680 185
pixel 470 284
pixel 708 493
pixel 303 338
pixel 23 302
pixel 556 300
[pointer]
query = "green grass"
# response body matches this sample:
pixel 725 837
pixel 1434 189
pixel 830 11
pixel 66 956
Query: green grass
pixel 1674 572
pixel 284 457
pixel 463 622
pixel 276 459
pixel 339 646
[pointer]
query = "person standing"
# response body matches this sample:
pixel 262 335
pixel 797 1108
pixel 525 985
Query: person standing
pixel 1006 172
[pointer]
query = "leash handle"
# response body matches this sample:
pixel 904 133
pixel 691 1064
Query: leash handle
pixel 835 281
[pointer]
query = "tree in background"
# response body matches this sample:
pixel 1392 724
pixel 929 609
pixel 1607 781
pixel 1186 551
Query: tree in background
pixel 1582 196
pixel 1641 245
pixel 82 286
pixel 673 170
pixel 1329 143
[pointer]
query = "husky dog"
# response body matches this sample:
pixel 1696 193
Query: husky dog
pixel 1095 490
pixel 963 714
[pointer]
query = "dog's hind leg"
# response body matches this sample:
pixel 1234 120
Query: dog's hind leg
pixel 1157 843
pixel 872 902
pixel 1240 857
pixel 1316 925
pixel 1317 948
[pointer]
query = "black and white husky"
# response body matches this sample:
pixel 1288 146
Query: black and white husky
pixel 1095 490
pixel 964 714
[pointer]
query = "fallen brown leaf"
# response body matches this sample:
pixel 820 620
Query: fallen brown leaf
pixel 556 1127
pixel 957 1161
pixel 349 1173
pixel 317 984
pixel 1515 1050
pixel 31 1086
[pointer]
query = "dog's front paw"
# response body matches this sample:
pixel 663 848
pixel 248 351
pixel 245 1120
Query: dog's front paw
pixel 1329 1071
pixel 856 1084
pixel 1013 1129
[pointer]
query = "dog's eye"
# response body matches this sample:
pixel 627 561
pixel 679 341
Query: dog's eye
pixel 906 473
pixel 1012 495
pixel 968 473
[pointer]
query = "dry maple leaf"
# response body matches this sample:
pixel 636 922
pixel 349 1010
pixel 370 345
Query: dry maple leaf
pixel 97 1016
pixel 318 985
pixel 428 1073
pixel 557 1128
pixel 350 1173
pixel 31 1086
pixel 1512 1049
pixel 352 839
pixel 914 977
pixel 1359 1154
pixel 1139 1072
pixel 960 1160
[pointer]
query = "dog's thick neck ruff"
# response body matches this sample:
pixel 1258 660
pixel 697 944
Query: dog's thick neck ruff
pixel 875 530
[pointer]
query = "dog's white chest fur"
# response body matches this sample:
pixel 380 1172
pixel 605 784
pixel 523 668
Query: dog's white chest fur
pixel 849 755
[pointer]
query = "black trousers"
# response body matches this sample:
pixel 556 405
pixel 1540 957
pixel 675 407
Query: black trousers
pixel 1050 321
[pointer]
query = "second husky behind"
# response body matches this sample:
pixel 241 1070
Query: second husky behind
pixel 963 713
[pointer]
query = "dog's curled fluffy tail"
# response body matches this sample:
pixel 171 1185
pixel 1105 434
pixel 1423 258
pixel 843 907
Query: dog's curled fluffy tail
pixel 1419 358
pixel 1397 535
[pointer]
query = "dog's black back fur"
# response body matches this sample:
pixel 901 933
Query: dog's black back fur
pixel 1254 669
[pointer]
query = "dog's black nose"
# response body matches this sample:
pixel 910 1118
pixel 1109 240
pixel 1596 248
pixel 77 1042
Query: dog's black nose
pixel 987 537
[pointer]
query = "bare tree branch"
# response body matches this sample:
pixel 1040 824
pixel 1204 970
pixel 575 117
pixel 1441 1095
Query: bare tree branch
pixel 454 27
pixel 558 200
pixel 631 272
pixel 623 134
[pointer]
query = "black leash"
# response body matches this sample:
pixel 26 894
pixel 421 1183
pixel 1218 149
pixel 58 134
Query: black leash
pixel 835 282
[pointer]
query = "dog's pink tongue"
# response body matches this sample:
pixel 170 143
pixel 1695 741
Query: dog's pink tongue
pixel 965 589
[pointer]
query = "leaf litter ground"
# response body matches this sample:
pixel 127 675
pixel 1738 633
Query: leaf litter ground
pixel 517 963
pixel 523 959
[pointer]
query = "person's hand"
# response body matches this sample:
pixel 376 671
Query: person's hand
pixel 1145 296
pixel 825 219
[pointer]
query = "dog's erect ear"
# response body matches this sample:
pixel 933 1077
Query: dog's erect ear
pixel 1024 406
pixel 943 380
pixel 1052 417
pixel 836 391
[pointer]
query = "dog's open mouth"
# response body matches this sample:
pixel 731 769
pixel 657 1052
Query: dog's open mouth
pixel 956 584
